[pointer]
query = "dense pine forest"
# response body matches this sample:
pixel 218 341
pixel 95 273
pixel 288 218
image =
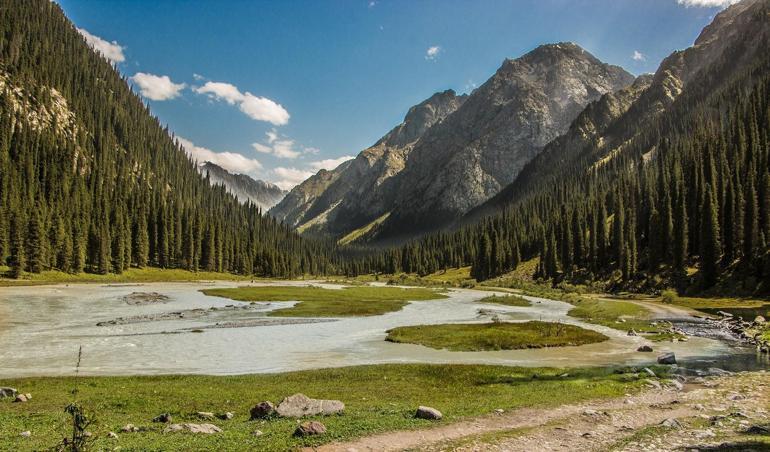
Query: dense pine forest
pixel 686 203
pixel 91 181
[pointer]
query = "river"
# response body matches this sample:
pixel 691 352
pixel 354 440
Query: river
pixel 42 328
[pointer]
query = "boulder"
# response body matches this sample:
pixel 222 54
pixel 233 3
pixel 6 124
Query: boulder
pixel 225 416
pixel 193 428
pixel 671 423
pixel 667 358
pixel 310 428
pixel 8 392
pixel 426 412
pixel 299 405
pixel 129 428
pixel 631 332
pixel 164 418
pixel 263 410
pixel 644 348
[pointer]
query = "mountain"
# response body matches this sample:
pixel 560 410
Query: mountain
pixel 665 183
pixel 358 191
pixel 91 181
pixel 464 154
pixel 263 194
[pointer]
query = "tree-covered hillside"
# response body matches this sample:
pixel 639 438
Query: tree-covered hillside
pixel 670 189
pixel 90 180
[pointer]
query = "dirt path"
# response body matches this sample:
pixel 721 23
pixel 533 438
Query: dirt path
pixel 709 411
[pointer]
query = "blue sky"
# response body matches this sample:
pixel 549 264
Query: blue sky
pixel 280 89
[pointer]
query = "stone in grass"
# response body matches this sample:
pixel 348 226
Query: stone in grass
pixel 649 372
pixel 8 392
pixel 644 348
pixel 193 428
pixel 112 435
pixel 426 412
pixel 299 405
pixel 310 428
pixel 671 423
pixel 21 398
pixel 205 415
pixel 26 434
pixel 225 416
pixel 667 358
pixel 164 418
pixel 129 428
pixel 262 410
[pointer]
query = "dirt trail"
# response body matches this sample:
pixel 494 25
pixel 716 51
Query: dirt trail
pixel 706 413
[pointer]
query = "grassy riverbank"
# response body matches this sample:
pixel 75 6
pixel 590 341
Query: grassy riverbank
pixel 506 300
pixel 377 398
pixel 352 301
pixel 133 275
pixel 495 336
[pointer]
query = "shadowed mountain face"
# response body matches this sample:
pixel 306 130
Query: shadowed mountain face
pixel 452 153
pixel 264 194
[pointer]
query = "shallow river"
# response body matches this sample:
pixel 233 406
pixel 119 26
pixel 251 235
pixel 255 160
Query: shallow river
pixel 41 329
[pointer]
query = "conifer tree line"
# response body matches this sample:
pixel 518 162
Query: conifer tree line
pixel 690 196
pixel 111 189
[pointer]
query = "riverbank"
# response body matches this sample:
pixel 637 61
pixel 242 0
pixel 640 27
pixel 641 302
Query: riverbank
pixel 377 399
pixel 133 275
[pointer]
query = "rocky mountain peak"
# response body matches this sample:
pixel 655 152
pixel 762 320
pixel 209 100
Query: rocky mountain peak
pixel 421 117
pixel 263 194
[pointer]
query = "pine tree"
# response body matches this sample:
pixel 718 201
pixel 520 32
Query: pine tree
pixel 710 246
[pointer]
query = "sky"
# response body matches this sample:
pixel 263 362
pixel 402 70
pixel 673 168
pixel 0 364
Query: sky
pixel 280 89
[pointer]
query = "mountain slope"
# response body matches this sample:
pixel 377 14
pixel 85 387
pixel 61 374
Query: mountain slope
pixel 263 194
pixel 90 180
pixel 353 194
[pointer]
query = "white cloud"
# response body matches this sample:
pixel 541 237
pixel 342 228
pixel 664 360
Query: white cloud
pixel 231 161
pixel 707 3
pixel 280 147
pixel 372 3
pixel 110 50
pixel 157 87
pixel 330 164
pixel 638 56
pixel 272 135
pixel 198 77
pixel 255 107
pixel 432 52
pixel 289 177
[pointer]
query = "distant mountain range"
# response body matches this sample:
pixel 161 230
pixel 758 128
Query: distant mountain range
pixel 452 153
pixel 263 194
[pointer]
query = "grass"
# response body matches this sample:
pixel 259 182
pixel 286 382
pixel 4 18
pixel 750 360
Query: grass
pixel 747 307
pixel 362 231
pixel 378 398
pixel 133 275
pixel 495 336
pixel 506 300
pixel 319 302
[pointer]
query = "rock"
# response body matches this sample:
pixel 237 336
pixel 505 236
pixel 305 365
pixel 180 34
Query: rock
pixel 724 314
pixel 671 423
pixel 735 397
pixel 257 433
pixel 499 411
pixel 225 416
pixel 20 398
pixel 667 358
pixel 644 348
pixel 299 405
pixel 758 430
pixel 653 383
pixel 165 418
pixel 193 428
pixel 675 384
pixel 112 435
pixel 128 428
pixel 310 428
pixel 26 434
pixel 649 372
pixel 632 333
pixel 703 434
pixel 262 410
pixel 717 372
pixel 7 392
pixel 426 412
pixel 759 320
pixel 205 415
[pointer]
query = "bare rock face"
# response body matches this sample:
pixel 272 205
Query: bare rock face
pixel 352 195
pixel 299 405
pixel 453 152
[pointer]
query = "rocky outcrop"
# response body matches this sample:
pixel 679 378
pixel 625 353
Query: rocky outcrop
pixel 357 192
pixel 264 194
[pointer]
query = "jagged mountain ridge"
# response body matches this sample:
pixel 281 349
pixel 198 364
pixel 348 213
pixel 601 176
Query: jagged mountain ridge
pixel 736 38
pixel 340 200
pixel 263 194
pixel 457 162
